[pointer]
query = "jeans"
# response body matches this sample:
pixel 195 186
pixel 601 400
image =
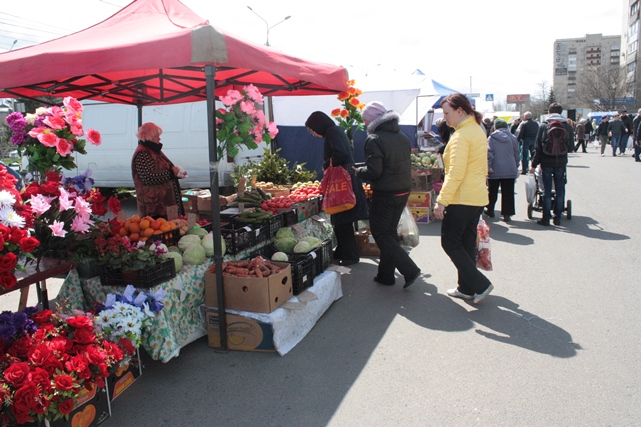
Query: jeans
pixel 384 214
pixel 458 240
pixel 616 140
pixel 623 143
pixel 559 188
pixel 526 150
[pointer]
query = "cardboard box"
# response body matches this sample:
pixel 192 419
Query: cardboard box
pixel 92 409
pixel 366 243
pixel 242 333
pixel 259 295
pixel 421 199
pixel 121 380
pixel 197 200
pixel 422 215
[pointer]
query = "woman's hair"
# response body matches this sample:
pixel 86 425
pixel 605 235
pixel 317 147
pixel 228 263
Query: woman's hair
pixel 458 100
pixel 148 130
pixel 319 122
pixel 445 131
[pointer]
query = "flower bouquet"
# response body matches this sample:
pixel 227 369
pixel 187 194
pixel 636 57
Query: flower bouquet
pixel 46 360
pixel 49 137
pixel 241 124
pixel 349 115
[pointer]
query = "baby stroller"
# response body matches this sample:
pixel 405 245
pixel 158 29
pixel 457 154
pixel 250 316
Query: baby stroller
pixel 535 195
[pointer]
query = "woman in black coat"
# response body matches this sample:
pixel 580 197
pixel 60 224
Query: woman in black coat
pixel 338 149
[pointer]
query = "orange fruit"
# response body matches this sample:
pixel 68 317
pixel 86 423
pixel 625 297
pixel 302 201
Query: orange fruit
pixel 155 224
pixel 143 224
pixel 165 228
pixel 161 220
pixel 134 237
pixel 123 232
pixel 157 232
pixel 147 232
pixel 134 227
pixel 172 225
pixel 148 218
pixel 134 218
pixel 144 238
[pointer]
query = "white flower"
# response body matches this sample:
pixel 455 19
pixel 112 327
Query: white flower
pixel 10 218
pixel 6 198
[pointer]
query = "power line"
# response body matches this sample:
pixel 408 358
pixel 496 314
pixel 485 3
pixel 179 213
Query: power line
pixel 31 21
pixel 29 28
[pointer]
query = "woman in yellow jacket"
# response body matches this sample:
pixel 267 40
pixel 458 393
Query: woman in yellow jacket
pixel 463 195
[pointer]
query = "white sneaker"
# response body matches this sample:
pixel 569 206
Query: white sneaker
pixel 455 293
pixel 602 155
pixel 480 297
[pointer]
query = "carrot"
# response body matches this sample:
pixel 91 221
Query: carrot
pixel 258 272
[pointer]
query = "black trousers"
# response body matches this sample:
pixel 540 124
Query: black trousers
pixel 346 248
pixel 507 195
pixel 384 215
pixel 579 144
pixel 458 239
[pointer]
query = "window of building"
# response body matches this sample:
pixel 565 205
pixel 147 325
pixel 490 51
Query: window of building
pixel 634 8
pixel 571 62
pixel 632 47
pixel 633 29
pixel 631 66
pixel 614 61
pixel 571 87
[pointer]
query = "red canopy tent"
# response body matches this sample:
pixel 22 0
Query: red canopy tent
pixel 160 52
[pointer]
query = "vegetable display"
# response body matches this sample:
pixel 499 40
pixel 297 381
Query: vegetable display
pixel 425 160
pixel 286 242
pixel 257 267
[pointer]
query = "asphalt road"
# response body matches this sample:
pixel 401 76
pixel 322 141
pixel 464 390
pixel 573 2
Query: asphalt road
pixel 556 343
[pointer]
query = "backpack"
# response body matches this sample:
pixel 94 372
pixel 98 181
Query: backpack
pixel 554 141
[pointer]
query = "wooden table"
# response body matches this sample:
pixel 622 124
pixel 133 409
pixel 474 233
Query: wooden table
pixel 49 267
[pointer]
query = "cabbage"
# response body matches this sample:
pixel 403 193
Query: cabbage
pixel 187 240
pixel 302 247
pixel 280 256
pixel 208 243
pixel 283 233
pixel 178 259
pixel 174 249
pixel 285 245
pixel 313 241
pixel 194 254
pixel 198 231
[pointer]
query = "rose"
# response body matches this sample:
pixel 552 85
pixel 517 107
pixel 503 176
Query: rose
pixel 40 377
pixel 21 346
pixel 42 317
pixel 8 262
pixel 114 205
pixel 66 406
pixel 84 336
pixel 28 244
pixel 16 235
pixel 24 399
pixel 126 345
pixel 17 374
pixel 8 280
pixel 39 355
pixel 78 363
pixel 94 137
pixel 64 382
pixel 99 209
pixel 50 188
pixel 80 322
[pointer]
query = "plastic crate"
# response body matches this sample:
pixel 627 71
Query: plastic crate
pixel 238 239
pixel 275 223
pixel 261 235
pixel 169 238
pixel 290 217
pixel 327 254
pixel 302 268
pixel 145 278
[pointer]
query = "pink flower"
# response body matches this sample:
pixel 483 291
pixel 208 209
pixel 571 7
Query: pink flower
pixel 272 129
pixel 65 202
pixel 36 131
pixel 39 204
pixel 57 229
pixel 76 129
pixel 258 135
pixel 254 94
pixel 48 139
pixel 81 224
pixel 247 107
pixel 82 207
pixel 64 147
pixel 233 96
pixel 94 137
pixel 72 104
pixel 259 118
pixel 55 122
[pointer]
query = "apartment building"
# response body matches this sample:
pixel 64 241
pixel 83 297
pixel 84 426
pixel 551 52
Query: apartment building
pixel 632 54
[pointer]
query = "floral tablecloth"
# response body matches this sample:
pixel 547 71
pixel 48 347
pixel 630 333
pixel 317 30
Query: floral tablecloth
pixel 180 322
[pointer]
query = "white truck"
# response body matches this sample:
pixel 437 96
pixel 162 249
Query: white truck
pixel 184 140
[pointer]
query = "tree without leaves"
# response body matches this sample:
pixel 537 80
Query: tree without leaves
pixel 600 86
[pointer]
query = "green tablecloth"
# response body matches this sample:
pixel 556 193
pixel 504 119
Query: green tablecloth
pixel 180 322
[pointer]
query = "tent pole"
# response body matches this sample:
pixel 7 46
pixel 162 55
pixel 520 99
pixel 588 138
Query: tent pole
pixel 139 107
pixel 210 72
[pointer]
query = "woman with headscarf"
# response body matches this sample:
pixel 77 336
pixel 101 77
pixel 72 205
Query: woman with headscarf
pixel 337 149
pixel 155 176
pixel 463 195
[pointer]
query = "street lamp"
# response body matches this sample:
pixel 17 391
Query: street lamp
pixel 266 24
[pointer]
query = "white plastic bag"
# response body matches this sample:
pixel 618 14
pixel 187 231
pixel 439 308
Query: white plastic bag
pixel 407 229
pixel 530 188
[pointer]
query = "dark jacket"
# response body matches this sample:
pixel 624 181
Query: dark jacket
pixel 627 121
pixel 617 127
pixel 387 156
pixel 588 126
pixel 528 131
pixel 602 129
pixel 635 127
pixel 548 161
pixel 336 147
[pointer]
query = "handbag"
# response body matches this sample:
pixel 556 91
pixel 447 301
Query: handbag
pixel 408 230
pixel 337 191
pixel 483 249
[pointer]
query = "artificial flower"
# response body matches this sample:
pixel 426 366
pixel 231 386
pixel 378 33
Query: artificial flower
pixel 350 114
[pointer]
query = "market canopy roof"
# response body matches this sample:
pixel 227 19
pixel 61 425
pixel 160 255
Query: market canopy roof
pixel 153 52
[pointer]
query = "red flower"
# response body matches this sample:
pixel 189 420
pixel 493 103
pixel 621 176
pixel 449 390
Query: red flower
pixel 28 244
pixel 53 177
pixel 66 406
pixel 80 322
pixel 114 205
pixel 50 188
pixel 343 96
pixel 77 363
pixel 39 355
pixel 126 345
pixel 41 377
pixel 8 262
pixel 99 209
pixel 8 280
pixel 24 399
pixel 31 190
pixel 42 317
pixel 64 382
pixel 17 374
pixel 336 112
pixel 84 336
pixel 16 235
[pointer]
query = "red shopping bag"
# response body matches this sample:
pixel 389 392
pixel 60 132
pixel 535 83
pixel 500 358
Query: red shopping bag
pixel 336 187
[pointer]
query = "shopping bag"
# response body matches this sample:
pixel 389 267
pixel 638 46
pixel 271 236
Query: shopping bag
pixel 483 250
pixel 407 229
pixel 530 188
pixel 337 191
